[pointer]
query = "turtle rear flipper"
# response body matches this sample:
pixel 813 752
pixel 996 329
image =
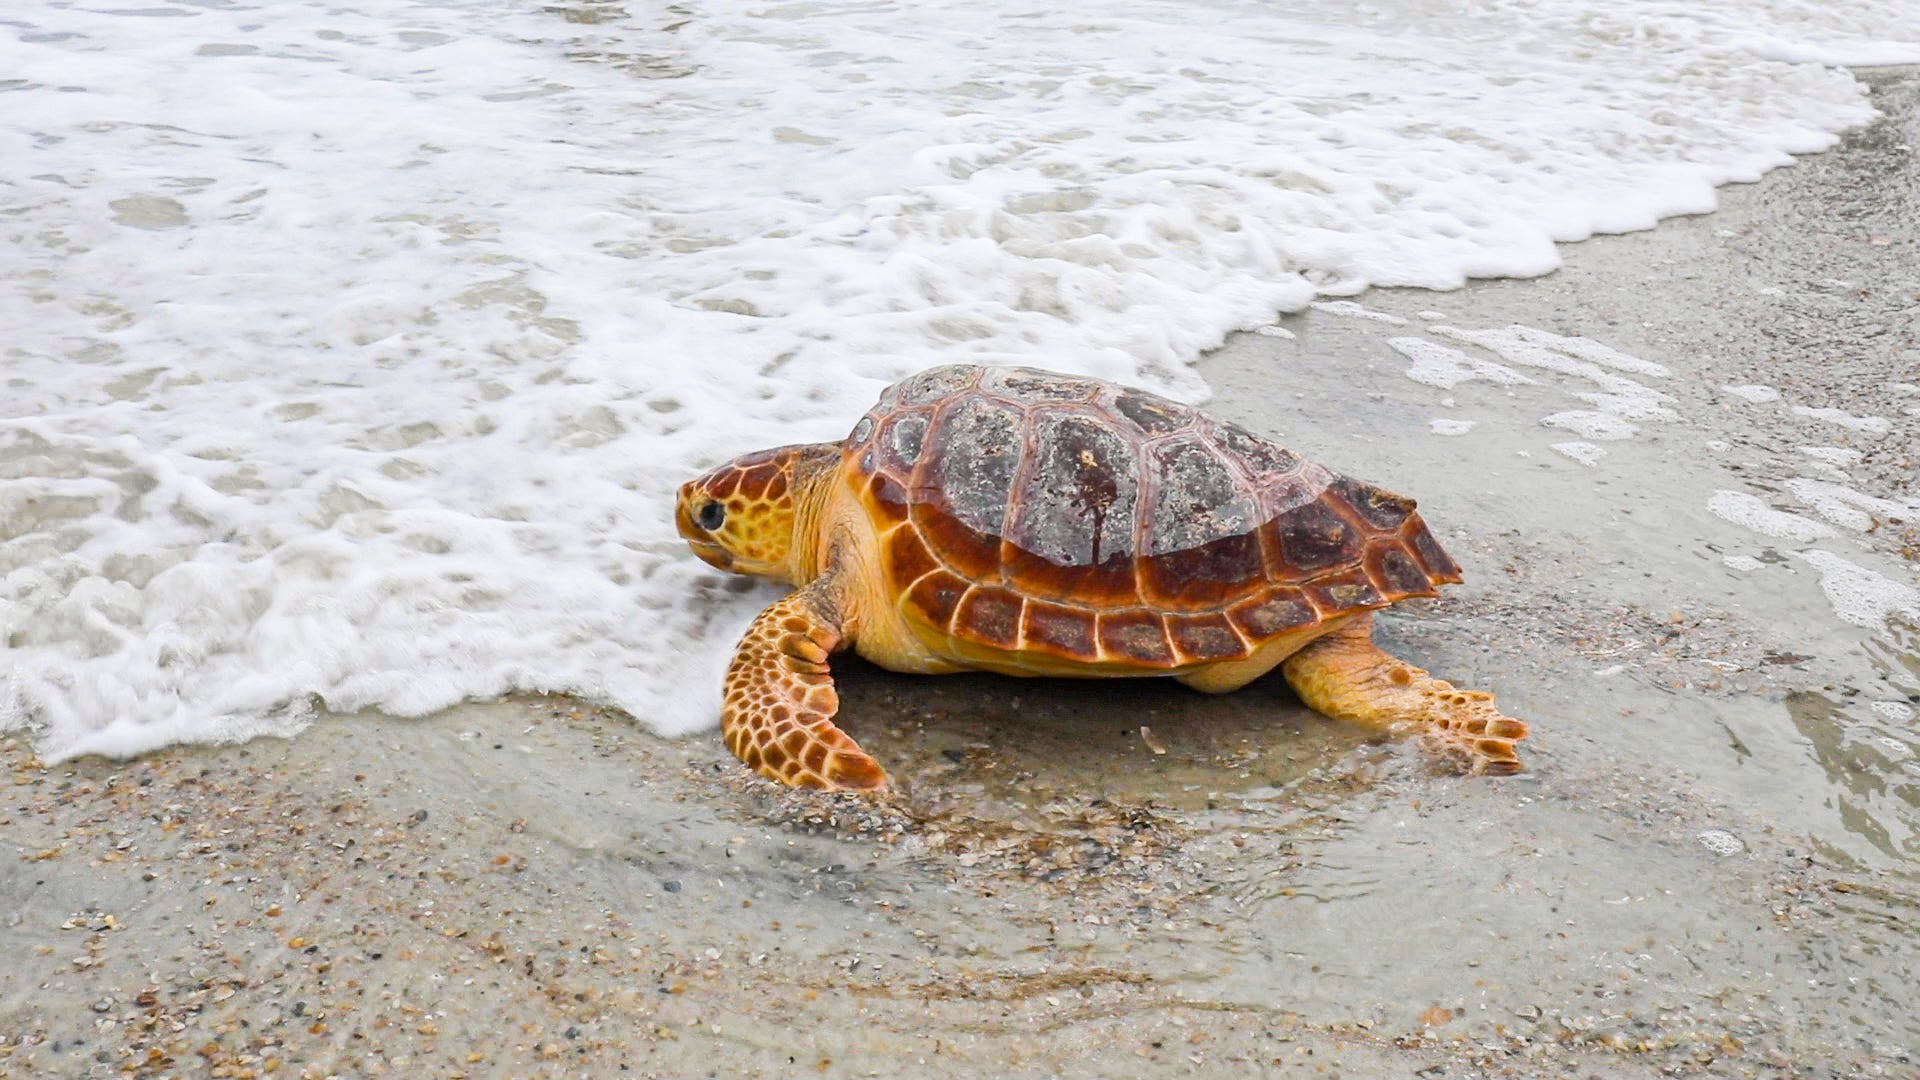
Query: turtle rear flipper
pixel 1346 676
pixel 777 715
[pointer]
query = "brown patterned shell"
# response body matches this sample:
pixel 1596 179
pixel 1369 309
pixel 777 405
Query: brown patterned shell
pixel 1028 512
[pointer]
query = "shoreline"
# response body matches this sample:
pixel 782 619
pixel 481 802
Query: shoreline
pixel 537 887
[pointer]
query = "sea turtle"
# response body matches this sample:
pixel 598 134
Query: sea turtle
pixel 1030 523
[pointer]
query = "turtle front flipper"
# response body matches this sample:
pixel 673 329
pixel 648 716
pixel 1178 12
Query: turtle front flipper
pixel 1346 676
pixel 778 712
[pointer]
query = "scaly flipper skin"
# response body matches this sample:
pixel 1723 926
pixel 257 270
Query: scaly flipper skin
pixel 1345 676
pixel 778 712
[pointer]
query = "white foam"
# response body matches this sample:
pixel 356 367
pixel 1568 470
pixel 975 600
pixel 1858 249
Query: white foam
pixel 1898 712
pixel 1531 347
pixel 1442 426
pixel 1583 452
pixel 1446 368
pixel 1280 332
pixel 1587 349
pixel 1352 310
pixel 1746 564
pixel 1872 425
pixel 1814 52
pixel 1848 508
pixel 1618 402
pixel 1861 596
pixel 354 350
pixel 1721 842
pixel 1754 392
pixel 1749 512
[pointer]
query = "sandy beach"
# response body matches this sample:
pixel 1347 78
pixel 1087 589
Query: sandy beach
pixel 1710 868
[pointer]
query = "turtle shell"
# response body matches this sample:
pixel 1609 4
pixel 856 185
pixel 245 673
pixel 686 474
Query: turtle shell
pixel 1026 512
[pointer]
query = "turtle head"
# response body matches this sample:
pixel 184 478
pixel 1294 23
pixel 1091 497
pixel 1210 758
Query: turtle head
pixel 743 515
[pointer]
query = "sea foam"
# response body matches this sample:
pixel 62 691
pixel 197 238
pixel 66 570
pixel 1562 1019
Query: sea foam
pixel 354 351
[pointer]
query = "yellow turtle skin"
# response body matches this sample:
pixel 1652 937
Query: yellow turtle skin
pixel 1029 523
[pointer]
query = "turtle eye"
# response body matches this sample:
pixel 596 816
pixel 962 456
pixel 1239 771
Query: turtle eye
pixel 711 516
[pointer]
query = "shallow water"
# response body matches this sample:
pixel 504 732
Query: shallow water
pixel 357 351
pixel 1763 681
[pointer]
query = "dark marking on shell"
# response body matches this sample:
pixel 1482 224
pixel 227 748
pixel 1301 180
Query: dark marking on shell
pixel 1274 612
pixel 1377 507
pixel 1139 636
pixel 1061 629
pixel 1350 590
pixel 1205 637
pixel 1154 414
pixel 1313 537
pixel 936 596
pixel 990 615
pixel 1395 570
pixel 1440 566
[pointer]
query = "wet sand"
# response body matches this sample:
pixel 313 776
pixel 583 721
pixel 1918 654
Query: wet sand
pixel 1712 866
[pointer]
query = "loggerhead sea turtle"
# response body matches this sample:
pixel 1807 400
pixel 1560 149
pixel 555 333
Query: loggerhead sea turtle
pixel 1030 523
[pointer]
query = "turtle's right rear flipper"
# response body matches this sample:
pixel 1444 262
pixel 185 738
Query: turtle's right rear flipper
pixel 1345 676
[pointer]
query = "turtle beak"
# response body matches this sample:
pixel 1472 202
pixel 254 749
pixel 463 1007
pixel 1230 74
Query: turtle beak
pixel 712 554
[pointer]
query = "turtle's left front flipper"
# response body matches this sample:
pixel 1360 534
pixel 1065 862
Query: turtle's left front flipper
pixel 778 712
pixel 1346 676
